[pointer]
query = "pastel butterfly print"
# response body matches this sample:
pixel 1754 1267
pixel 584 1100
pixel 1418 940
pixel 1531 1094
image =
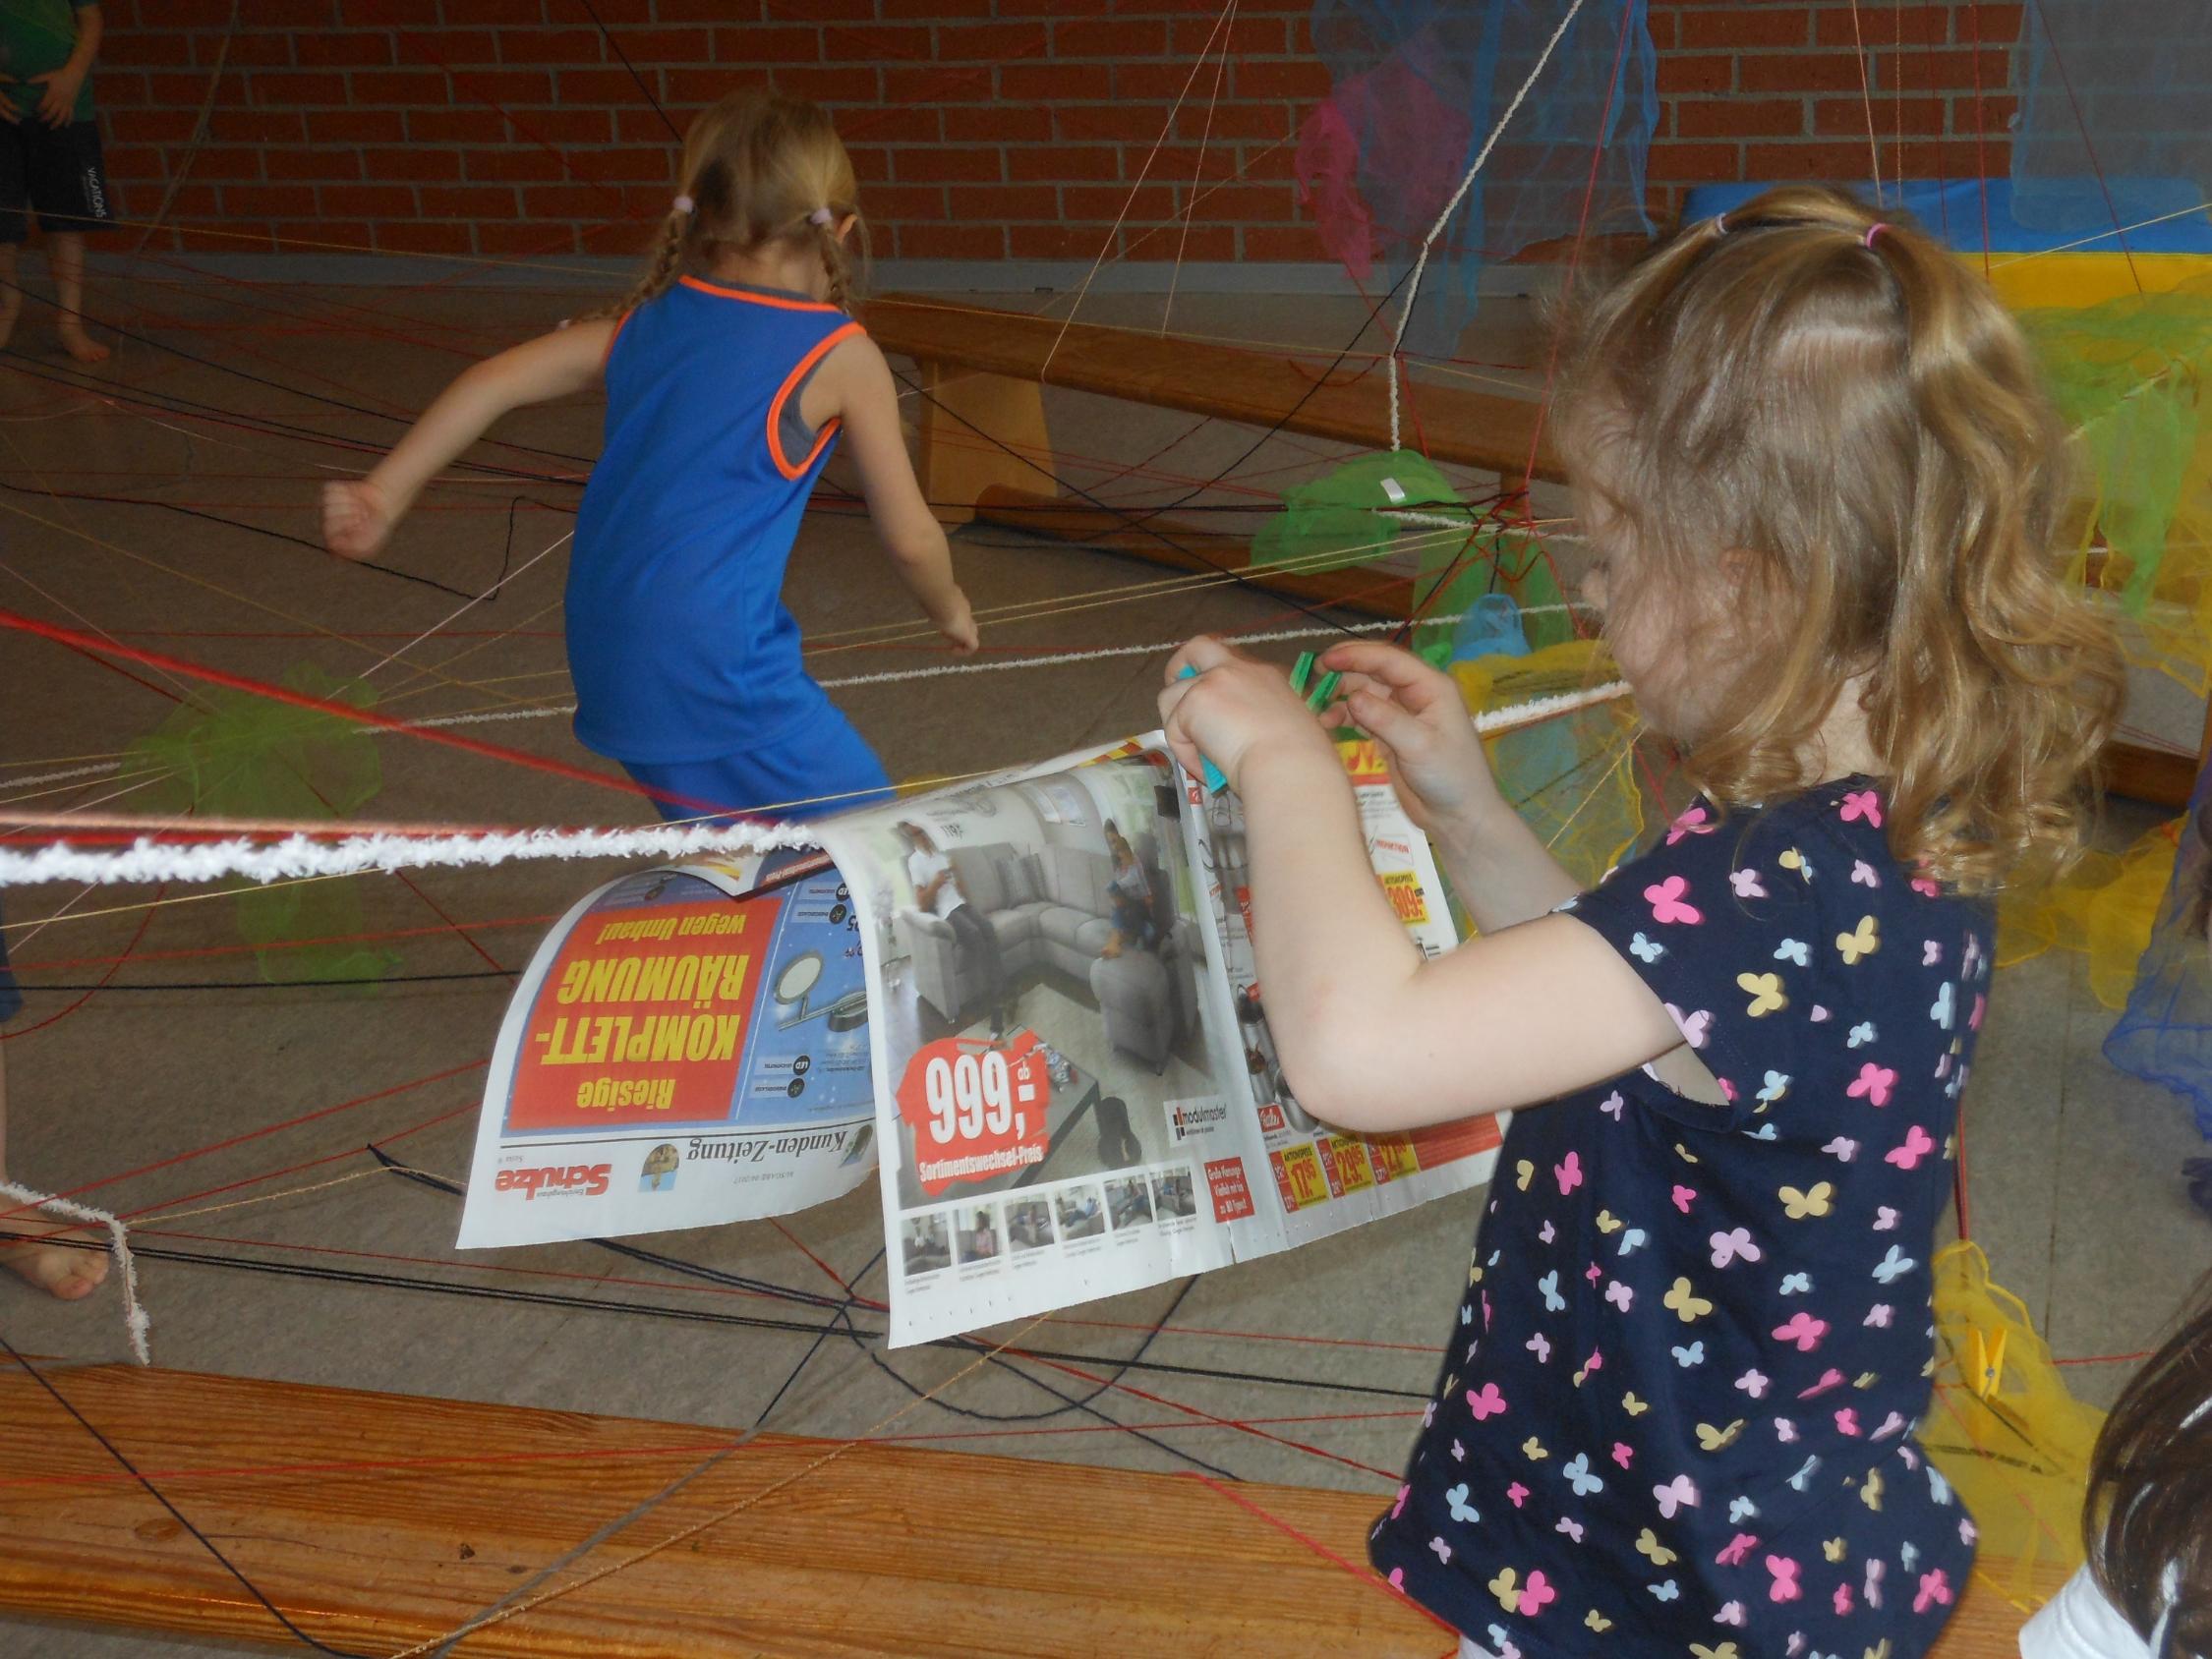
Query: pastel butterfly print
pixel 1462 1511
pixel 1568 1173
pixel 1547 1232
pixel 1747 884
pixel 1613 1106
pixel 1792 859
pixel 1830 1379
pixel 1842 1601
pixel 1667 1592
pixel 1766 993
pixel 1894 1266
pixel 1619 1294
pixel 1778 1085
pixel 1730 1614
pixel 1536 1595
pixel 1694 1027
pixel 1872 1084
pixel 1577 1473
pixel 1534 1450
pixel 1570 1529
pixel 1726 1650
pixel 1646 951
pixel 1677 1494
pixel 1596 1620
pixel 1685 1303
pixel 1488 1404
pixel 1803 1479
pixel 1878 1317
pixel 1935 1589
pixel 1736 1549
pixel 1931 952
pixel 1711 1439
pixel 1623 1453
pixel 1608 1221
pixel 1633 1407
pixel 1669 903
pixel 1524 1172
pixel 1785 1587
pixel 1843 1149
pixel 1871 1496
pixel 1553 1302
pixel 1540 1344
pixel 1861 1035
pixel 1876 1571
pixel 1753 1383
pixel 1690 822
pixel 1442 1549
pixel 1815 1203
pixel 1689 1357
pixel 1848 1422
pixel 1632 1240
pixel 1500 1645
pixel 1835 1549
pixel 1861 941
pixel 1459 1453
pixel 1683 1197
pixel 1735 1244
pixel 1942 1009
pixel 1796 1283
pixel 1517 1494
pixel 1649 1546
pixel 1506 1586
pixel 1916 1146
pixel 1862 803
pixel 1793 951
pixel 1803 1329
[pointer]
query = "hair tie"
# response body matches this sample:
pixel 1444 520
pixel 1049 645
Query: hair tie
pixel 1720 224
pixel 823 217
pixel 1874 230
pixel 684 205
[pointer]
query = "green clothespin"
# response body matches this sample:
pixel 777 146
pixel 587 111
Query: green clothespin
pixel 1324 691
pixel 1301 670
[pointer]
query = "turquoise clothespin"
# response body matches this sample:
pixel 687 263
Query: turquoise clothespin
pixel 1215 780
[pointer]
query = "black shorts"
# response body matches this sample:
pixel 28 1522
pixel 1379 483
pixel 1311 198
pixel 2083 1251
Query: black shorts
pixel 56 173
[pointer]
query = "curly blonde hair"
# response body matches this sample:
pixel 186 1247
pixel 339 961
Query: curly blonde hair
pixel 1831 428
pixel 758 169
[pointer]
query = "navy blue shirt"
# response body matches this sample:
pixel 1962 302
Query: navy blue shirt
pixel 1678 1407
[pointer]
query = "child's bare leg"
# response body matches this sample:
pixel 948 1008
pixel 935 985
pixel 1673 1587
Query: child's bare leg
pixel 66 251
pixel 57 1269
pixel 11 296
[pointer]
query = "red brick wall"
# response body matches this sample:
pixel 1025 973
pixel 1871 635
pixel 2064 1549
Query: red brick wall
pixel 981 129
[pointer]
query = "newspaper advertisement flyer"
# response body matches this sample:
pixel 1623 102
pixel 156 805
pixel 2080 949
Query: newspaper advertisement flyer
pixel 1073 1096
pixel 688 1046
pixel 1323 1181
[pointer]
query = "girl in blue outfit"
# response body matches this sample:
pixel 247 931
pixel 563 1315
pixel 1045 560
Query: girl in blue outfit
pixel 730 373
pixel 1676 1409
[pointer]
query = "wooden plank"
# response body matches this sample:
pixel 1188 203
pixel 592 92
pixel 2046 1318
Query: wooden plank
pixel 2161 776
pixel 1201 377
pixel 378 1522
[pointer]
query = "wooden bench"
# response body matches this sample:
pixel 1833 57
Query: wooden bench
pixel 986 453
pixel 378 1522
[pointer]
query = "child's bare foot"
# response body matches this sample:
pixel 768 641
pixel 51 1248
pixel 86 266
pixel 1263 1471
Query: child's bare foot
pixel 62 1272
pixel 78 344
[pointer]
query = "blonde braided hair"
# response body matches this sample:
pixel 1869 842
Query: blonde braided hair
pixel 757 169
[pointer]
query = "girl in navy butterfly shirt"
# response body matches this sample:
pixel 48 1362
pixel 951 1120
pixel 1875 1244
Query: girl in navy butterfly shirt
pixel 730 373
pixel 1676 1407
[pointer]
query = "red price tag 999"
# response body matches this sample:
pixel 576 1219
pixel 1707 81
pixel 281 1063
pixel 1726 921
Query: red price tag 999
pixel 977 1112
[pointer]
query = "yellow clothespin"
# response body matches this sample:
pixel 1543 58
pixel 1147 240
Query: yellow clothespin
pixel 1989 1363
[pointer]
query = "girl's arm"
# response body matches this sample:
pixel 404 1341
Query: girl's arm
pixel 855 385
pixel 358 517
pixel 1371 1037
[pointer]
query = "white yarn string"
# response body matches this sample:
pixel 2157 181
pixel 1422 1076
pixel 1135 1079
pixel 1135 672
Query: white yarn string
pixel 134 1319
pixel 300 856
pixel 1421 263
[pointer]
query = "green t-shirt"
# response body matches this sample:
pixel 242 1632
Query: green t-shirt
pixel 35 36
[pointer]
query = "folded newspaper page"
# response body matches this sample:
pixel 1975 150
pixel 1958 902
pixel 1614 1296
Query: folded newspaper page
pixel 1076 1091
pixel 688 1046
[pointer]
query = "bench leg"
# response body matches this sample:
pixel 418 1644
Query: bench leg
pixel 964 421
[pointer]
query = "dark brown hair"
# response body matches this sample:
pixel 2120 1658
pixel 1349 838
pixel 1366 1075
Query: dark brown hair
pixel 2150 1490
pixel 1839 424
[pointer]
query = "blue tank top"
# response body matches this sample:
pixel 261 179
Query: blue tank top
pixel 678 640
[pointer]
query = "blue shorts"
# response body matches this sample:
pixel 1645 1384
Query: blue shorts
pixel 11 998
pixel 825 769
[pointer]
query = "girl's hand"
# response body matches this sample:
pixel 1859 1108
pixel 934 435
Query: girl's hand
pixel 1416 713
pixel 59 104
pixel 356 519
pixel 1233 708
pixel 957 625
